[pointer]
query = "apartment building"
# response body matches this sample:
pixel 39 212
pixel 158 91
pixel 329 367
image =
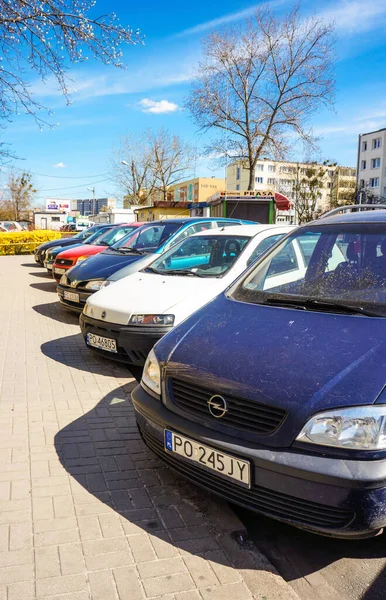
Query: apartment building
pixel 194 190
pixel 280 176
pixel 371 163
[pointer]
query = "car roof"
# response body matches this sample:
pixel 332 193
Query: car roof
pixel 246 230
pixel 184 220
pixel 364 216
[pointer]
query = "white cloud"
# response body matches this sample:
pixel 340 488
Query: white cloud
pixel 229 18
pixel 353 16
pixel 59 165
pixel 162 107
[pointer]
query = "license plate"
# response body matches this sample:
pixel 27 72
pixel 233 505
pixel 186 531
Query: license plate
pixel 59 271
pixel 226 465
pixel 71 296
pixel 48 266
pixel 103 343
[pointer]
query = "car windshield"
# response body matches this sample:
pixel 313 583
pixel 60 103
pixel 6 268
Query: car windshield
pixel 204 256
pixel 112 236
pixel 334 268
pixel 92 239
pixel 146 238
pixel 87 233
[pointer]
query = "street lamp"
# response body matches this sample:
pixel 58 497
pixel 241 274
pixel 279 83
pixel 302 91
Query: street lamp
pixel 93 198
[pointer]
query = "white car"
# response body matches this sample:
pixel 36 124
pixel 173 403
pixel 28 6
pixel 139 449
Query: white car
pixel 124 320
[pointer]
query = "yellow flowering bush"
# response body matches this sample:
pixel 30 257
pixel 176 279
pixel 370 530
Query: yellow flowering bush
pixel 25 242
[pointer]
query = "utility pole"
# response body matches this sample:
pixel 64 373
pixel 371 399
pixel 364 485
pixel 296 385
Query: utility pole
pixel 93 199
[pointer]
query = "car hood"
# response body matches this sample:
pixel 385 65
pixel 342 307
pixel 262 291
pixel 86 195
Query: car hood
pixel 55 243
pixel 149 293
pixel 101 266
pixel 81 250
pixel 301 361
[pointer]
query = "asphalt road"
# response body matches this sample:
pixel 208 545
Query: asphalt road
pixel 320 568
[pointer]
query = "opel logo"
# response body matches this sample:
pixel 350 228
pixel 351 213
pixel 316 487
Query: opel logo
pixel 103 315
pixel 217 406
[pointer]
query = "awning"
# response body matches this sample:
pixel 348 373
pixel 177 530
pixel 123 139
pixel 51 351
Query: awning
pixel 282 202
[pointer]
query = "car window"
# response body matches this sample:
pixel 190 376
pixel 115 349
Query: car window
pixel 188 231
pixel 263 247
pixel 205 256
pixel 113 235
pixel 345 264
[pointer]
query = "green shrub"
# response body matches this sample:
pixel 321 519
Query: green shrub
pixel 25 242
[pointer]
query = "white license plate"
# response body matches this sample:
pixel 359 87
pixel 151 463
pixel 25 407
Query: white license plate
pixel 59 271
pixel 103 343
pixel 71 296
pixel 224 464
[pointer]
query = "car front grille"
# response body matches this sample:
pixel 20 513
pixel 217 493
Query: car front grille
pixel 242 414
pixel 259 499
pixel 65 262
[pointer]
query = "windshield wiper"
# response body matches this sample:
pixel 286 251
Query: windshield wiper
pixel 128 250
pixel 323 306
pixel 152 270
pixel 183 272
pixel 103 244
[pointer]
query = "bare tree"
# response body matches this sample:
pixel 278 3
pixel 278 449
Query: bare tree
pixel 172 160
pixel 132 167
pixel 43 37
pixel 16 203
pixel 261 82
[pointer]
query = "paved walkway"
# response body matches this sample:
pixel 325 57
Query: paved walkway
pixel 86 511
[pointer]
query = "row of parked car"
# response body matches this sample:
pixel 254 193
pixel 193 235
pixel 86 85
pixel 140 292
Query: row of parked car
pixel 268 386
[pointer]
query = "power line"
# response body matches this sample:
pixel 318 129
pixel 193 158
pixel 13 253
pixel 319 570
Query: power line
pixel 55 176
pixel 71 187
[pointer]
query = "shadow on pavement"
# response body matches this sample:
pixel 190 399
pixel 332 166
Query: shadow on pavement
pixel 103 451
pixel 53 310
pixel 43 275
pixel 72 351
pixel 48 286
pixel 353 570
pixel 32 264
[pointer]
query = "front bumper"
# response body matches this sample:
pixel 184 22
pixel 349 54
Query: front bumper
pixel 56 275
pixel 133 342
pixel 70 304
pixel 329 496
pixel 48 265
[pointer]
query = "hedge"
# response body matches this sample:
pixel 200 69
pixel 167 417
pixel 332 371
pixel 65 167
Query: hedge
pixel 25 242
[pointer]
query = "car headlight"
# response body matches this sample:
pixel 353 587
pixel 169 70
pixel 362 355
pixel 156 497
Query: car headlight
pixel 360 428
pixel 63 280
pixel 81 258
pixel 151 376
pixel 95 284
pixel 151 320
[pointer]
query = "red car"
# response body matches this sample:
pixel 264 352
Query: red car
pixel 68 258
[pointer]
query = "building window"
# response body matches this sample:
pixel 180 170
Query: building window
pixel 330 173
pixel 375 163
pixel 238 171
pixel 238 187
pixel 363 165
pixel 303 171
pixel 271 181
pixel 285 181
pixel 329 185
pixel 364 146
pixel 377 143
pixel 361 183
pixel 259 179
pixel 259 167
pixel 374 182
pixel 272 168
pixel 55 218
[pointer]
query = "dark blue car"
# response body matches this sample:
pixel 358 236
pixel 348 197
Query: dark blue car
pixel 273 395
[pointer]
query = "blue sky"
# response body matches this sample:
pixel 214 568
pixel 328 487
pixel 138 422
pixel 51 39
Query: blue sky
pixel 108 102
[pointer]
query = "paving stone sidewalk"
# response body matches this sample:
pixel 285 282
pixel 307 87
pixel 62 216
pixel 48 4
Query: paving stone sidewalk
pixel 86 511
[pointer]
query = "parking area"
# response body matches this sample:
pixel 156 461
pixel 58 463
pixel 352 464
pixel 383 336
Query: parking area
pixel 86 511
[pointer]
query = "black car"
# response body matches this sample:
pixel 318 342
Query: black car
pixel 79 238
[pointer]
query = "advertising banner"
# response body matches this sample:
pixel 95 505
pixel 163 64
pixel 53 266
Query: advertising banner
pixel 64 206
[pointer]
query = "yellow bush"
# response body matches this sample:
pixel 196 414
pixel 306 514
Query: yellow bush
pixel 25 242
